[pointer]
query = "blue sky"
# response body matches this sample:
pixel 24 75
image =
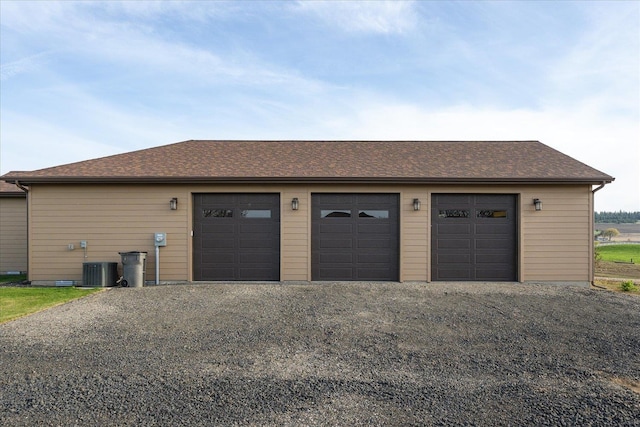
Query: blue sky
pixel 81 80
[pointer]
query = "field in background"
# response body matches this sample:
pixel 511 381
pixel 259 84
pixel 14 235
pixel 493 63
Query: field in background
pixel 628 232
pixel 615 261
pixel 619 253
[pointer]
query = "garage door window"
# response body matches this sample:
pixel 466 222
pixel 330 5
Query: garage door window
pixel 256 213
pixel 453 213
pixel 488 213
pixel 335 213
pixel 374 214
pixel 217 213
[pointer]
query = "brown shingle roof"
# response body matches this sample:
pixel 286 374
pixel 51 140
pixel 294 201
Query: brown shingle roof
pixel 321 161
pixel 7 189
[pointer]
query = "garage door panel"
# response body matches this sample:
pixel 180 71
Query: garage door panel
pixel 373 273
pixel 367 200
pixel 337 258
pixel 223 273
pixel 494 229
pixel 335 273
pixel 258 258
pixel 373 244
pixel 492 244
pixel 366 229
pixel 444 199
pixel 482 200
pixel 218 257
pixel 454 259
pixel 220 198
pixel 223 235
pixel 249 244
pixel 474 237
pixel 453 274
pixel 454 244
pixel 383 229
pixel 266 273
pixel 218 227
pixel 373 258
pixel 250 226
pixel 335 228
pixel 335 200
pixel 335 243
pixel 449 229
pixel 219 243
pixel 505 258
pixel 494 274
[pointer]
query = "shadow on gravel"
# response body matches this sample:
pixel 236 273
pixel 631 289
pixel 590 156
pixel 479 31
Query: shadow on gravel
pixel 309 401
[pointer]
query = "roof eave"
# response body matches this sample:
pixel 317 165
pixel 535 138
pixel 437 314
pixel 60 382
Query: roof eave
pixel 26 180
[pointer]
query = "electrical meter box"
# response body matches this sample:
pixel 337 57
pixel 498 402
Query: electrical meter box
pixel 160 239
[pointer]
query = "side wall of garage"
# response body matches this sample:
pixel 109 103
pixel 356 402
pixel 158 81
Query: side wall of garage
pixel 554 244
pixel 111 219
pixel 13 234
pixel 557 242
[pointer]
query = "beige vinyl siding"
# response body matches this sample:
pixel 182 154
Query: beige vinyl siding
pixel 110 219
pixel 295 229
pixel 13 234
pixel 554 243
pixel 414 236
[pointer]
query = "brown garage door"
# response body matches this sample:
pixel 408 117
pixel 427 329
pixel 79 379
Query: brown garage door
pixel 236 237
pixel 473 237
pixel 354 237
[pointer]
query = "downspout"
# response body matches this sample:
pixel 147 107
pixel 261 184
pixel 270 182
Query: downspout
pixel 591 231
pixel 598 187
pixel 22 187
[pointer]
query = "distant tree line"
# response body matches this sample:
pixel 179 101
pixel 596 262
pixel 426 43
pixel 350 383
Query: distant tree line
pixel 618 217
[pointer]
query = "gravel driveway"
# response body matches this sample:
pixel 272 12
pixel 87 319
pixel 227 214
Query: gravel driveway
pixel 326 354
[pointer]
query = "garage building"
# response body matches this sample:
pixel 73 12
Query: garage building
pixel 514 211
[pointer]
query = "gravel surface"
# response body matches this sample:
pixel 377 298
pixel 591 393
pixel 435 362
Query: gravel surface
pixel 326 354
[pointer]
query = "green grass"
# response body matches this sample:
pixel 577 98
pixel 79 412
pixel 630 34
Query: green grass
pixel 17 302
pixel 622 252
pixel 6 278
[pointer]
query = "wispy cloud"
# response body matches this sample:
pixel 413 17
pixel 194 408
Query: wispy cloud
pixel 79 30
pixel 383 17
pixel 109 77
pixel 23 65
pixel 33 143
pixel 604 63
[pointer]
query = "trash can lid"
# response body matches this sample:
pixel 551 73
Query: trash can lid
pixel 132 252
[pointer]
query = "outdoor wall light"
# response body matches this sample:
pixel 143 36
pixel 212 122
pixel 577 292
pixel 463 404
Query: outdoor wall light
pixel 295 204
pixel 173 204
pixel 416 204
pixel 538 204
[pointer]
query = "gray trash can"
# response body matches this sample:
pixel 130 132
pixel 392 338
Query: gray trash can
pixel 134 268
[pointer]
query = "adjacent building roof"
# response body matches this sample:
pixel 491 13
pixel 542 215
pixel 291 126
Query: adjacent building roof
pixel 328 161
pixel 10 190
